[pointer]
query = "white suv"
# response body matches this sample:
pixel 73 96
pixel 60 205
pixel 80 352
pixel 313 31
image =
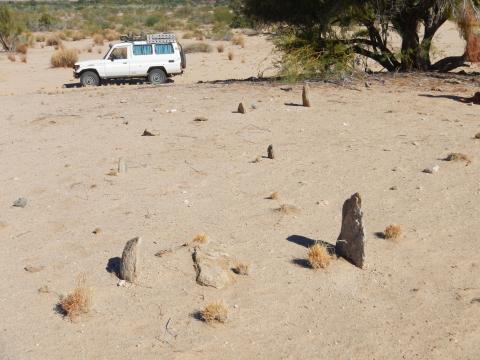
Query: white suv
pixel 154 57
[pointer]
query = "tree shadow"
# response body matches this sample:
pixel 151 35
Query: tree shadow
pixel 113 266
pixel 464 100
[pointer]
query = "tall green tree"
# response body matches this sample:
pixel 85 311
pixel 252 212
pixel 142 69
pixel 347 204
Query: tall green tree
pixel 365 26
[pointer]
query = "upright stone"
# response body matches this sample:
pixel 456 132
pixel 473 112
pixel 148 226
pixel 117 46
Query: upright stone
pixel 306 96
pixel 270 153
pixel 241 108
pixel 129 266
pixel 351 241
pixel 122 166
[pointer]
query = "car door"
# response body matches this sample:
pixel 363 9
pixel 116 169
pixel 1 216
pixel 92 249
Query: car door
pixel 168 57
pixel 142 59
pixel 118 64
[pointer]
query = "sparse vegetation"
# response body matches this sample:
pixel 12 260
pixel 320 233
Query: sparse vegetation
pixel 216 312
pixel 458 157
pixel 392 232
pixel 273 196
pixel 78 35
pixel 318 257
pixel 238 40
pixel 220 48
pixel 241 268
pixel 53 40
pixel 64 58
pixel 78 302
pixel 10 28
pixel 230 55
pixel 287 209
pixel 98 39
pixel 199 239
pixel 12 57
pixel 22 49
pixel 198 48
pixel 40 38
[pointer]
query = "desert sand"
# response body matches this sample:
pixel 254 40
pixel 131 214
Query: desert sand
pixel 418 297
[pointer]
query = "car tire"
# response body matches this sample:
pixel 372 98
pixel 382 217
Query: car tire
pixel 157 76
pixel 90 78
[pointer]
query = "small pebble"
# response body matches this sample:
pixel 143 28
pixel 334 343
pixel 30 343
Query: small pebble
pixel 394 187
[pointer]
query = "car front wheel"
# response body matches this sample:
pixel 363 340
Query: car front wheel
pixel 157 76
pixel 89 78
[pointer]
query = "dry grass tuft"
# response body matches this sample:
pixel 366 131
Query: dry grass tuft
pixel 64 58
pixel 241 268
pixel 12 57
pixel 98 39
pixel 23 59
pixel 273 196
pixel 22 49
pixel 78 35
pixel 392 232
pixel 111 35
pixel 53 40
pixel 231 55
pixel 287 209
pixel 199 239
pixel 238 40
pixel 220 48
pixel 78 301
pixel 89 49
pixel 458 157
pixel 216 312
pixel 197 48
pixel 318 257
pixel 40 38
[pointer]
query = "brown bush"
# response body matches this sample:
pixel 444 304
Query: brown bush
pixel 112 35
pixel 22 49
pixel 197 48
pixel 98 39
pixel 392 232
pixel 23 58
pixel 11 57
pixel 40 37
pixel 318 257
pixel 53 40
pixel 215 313
pixel 64 58
pixel 220 48
pixel 78 35
pixel 238 40
pixel 230 55
pixel 78 301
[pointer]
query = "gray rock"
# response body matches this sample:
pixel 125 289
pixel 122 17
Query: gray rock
pixel 20 202
pixel 213 268
pixel 351 241
pixel 129 268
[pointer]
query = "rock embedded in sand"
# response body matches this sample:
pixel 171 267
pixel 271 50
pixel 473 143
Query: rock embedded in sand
pixel 213 268
pixel 20 202
pixel 306 96
pixel 147 133
pixel 431 170
pixel 129 268
pixel 351 241
pixel 241 108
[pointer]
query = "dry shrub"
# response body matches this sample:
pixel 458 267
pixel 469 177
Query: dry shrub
pixel 216 312
pixel 188 35
pixel 197 48
pixel 23 58
pixel 89 49
pixel 78 301
pixel 99 51
pixel 40 37
pixel 199 239
pixel 22 49
pixel 477 135
pixel 62 35
pixel 318 256
pixel 230 55
pixel 467 22
pixel 98 39
pixel 12 57
pixel 273 196
pixel 64 58
pixel 78 35
pixel 53 40
pixel 220 48
pixel 458 157
pixel 241 268
pixel 238 40
pixel 392 232
pixel 287 209
pixel 111 35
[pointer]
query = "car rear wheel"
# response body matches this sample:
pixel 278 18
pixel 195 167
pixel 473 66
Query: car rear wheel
pixel 89 78
pixel 157 76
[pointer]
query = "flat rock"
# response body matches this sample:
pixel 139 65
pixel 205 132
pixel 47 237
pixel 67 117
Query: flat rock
pixel 351 241
pixel 213 268
pixel 20 202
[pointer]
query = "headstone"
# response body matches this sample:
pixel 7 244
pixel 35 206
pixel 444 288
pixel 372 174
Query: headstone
pixel 351 241
pixel 241 108
pixel 270 153
pixel 306 96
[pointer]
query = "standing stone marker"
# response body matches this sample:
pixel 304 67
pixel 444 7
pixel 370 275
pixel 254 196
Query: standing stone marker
pixel 122 166
pixel 130 258
pixel 306 96
pixel 351 241
pixel 241 108
pixel 270 153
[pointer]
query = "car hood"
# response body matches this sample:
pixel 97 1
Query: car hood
pixel 90 63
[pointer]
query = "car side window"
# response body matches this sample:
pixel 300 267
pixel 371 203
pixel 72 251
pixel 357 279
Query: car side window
pixel 142 50
pixel 119 53
pixel 161 49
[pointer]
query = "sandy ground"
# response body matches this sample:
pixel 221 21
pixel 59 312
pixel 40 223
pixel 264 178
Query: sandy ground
pixel 417 298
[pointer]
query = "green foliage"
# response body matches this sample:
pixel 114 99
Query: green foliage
pixel 46 21
pixel 10 29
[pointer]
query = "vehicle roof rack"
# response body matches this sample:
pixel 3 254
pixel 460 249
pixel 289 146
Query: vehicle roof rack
pixel 160 38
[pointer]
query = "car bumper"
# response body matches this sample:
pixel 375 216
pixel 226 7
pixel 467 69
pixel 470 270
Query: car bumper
pixel 75 74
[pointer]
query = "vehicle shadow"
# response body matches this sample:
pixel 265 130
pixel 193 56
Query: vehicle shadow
pixel 464 100
pixel 117 82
